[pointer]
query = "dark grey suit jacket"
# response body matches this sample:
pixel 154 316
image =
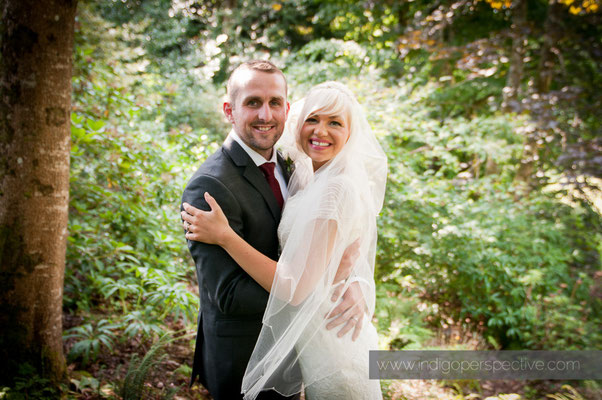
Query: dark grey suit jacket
pixel 231 302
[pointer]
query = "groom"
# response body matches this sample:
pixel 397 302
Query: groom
pixel 248 179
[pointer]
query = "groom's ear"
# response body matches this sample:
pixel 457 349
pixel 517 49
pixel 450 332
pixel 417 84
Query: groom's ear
pixel 227 108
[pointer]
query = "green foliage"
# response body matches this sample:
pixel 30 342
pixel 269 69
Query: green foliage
pixel 84 383
pixel 466 98
pixel 401 319
pixel 453 231
pixel 134 144
pixel 322 60
pixel 570 393
pixel 139 370
pixel 29 385
pixel 91 339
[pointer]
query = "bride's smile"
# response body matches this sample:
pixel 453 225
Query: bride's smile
pixel 323 136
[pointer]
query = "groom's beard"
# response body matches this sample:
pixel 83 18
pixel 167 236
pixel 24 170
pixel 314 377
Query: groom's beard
pixel 259 139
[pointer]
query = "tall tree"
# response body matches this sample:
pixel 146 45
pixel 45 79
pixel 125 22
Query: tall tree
pixel 36 38
pixel 551 34
pixel 519 38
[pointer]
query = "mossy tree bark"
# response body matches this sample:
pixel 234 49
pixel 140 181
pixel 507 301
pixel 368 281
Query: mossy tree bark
pixel 36 40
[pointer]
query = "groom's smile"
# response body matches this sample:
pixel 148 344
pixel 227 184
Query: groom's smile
pixel 263 128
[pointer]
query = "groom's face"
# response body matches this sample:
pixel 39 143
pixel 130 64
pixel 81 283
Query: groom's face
pixel 258 109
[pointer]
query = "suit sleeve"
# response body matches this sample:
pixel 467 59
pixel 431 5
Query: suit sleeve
pixel 228 285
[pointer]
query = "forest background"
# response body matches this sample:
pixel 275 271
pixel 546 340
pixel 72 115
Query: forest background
pixel 491 234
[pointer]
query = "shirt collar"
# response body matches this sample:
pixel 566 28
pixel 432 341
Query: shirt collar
pixel 257 158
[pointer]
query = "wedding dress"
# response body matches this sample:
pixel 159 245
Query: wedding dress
pixel 326 212
pixel 318 346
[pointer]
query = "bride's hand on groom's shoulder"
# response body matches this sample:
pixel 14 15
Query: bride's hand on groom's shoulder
pixel 349 312
pixel 205 226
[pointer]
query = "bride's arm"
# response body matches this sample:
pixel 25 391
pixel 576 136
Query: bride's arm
pixel 212 227
pixel 348 314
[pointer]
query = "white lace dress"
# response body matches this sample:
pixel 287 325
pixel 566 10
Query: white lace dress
pixel 319 346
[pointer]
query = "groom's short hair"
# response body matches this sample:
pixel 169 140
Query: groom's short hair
pixel 257 65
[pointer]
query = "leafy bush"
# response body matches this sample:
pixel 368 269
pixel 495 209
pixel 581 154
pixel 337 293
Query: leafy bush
pixel 453 225
pixel 134 145
pixel 90 340
pixel 322 60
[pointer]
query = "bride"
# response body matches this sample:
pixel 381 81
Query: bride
pixel 336 191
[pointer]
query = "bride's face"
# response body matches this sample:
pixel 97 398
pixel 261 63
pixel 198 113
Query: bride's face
pixel 322 137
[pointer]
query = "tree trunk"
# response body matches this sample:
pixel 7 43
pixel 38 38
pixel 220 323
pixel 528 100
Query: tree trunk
pixel 512 92
pixel 543 81
pixel 515 73
pixel 36 39
pixel 551 34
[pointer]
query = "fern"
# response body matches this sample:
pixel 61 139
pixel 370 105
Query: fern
pixel 138 371
pixel 573 395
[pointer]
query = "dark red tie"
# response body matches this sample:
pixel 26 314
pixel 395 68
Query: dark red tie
pixel 268 172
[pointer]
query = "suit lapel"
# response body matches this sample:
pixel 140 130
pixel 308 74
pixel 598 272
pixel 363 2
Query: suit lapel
pixel 252 174
pixel 285 169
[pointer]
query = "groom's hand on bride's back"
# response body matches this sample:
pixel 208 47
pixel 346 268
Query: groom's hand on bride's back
pixel 349 312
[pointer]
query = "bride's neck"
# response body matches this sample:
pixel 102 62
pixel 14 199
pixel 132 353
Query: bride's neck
pixel 317 164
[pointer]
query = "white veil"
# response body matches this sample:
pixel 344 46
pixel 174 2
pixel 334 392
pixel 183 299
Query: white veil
pixel 325 213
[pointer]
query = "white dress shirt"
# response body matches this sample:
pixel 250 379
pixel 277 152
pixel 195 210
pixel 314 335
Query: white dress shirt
pixel 258 159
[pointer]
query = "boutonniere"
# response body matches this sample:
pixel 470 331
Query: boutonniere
pixel 289 165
